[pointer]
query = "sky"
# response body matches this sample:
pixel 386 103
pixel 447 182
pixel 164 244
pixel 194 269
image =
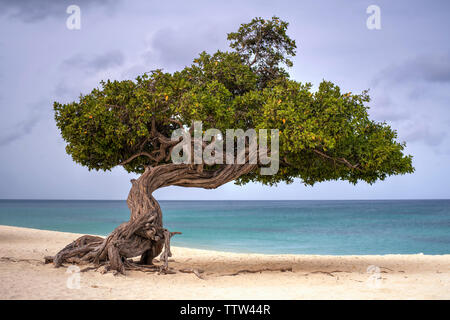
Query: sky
pixel 405 65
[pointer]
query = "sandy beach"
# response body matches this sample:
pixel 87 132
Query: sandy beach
pixel 23 274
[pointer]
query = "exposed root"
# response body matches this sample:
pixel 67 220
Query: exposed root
pixel 91 268
pixel 325 272
pixel 130 239
pixel 197 272
pixel 258 271
pixel 11 259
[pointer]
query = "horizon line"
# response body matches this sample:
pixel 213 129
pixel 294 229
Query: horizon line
pixel 378 199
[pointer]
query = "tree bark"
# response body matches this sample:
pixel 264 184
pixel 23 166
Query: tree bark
pixel 144 235
pixel 141 201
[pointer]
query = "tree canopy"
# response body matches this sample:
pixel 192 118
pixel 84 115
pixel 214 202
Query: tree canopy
pixel 324 135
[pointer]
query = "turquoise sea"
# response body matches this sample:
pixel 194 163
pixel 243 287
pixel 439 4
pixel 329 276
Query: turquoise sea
pixel 301 227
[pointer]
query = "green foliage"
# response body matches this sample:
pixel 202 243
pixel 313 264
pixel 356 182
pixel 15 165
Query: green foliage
pixel 324 135
pixel 327 135
pixel 265 46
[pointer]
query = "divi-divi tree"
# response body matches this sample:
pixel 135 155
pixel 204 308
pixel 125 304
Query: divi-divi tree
pixel 324 134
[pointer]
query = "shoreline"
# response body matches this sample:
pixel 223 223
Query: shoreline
pixel 219 251
pixel 211 250
pixel 226 275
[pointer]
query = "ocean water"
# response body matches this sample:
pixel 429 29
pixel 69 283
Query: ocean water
pixel 300 227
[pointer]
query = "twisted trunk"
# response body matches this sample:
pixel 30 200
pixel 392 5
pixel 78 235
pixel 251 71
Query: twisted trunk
pixel 144 235
pixel 141 201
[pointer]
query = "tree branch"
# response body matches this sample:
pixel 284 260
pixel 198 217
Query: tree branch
pixel 137 155
pixel 340 160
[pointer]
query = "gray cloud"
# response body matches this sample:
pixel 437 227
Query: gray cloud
pixel 176 48
pixel 87 69
pixel 97 63
pixel 434 68
pixel 411 94
pixel 25 126
pixel 423 131
pixel 384 108
pixel 32 11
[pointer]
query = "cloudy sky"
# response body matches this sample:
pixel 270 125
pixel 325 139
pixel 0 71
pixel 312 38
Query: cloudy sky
pixel 405 64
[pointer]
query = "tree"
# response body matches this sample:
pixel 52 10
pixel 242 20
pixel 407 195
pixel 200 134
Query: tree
pixel 324 135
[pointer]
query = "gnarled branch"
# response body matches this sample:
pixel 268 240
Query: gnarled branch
pixel 340 160
pixel 148 155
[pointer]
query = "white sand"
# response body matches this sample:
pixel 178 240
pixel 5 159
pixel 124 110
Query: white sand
pixel 313 276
